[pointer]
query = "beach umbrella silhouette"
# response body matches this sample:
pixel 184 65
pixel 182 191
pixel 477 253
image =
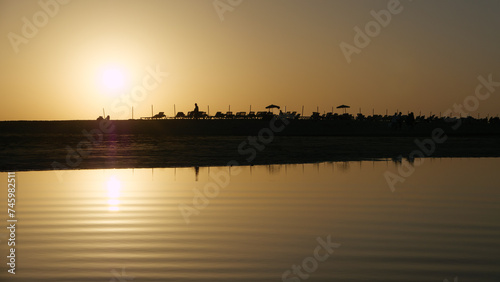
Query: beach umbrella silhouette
pixel 272 106
pixel 343 107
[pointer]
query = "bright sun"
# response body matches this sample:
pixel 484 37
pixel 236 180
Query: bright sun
pixel 113 79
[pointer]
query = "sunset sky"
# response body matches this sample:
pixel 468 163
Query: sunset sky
pixel 73 59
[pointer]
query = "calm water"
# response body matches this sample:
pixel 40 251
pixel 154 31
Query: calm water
pixel 132 225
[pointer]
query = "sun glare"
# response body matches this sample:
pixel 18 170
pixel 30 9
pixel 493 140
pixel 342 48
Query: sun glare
pixel 113 79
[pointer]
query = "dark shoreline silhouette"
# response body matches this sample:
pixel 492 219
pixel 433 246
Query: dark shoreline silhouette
pixel 91 144
pixel 41 152
pixel 245 127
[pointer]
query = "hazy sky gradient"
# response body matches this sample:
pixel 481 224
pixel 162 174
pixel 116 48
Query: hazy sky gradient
pixel 284 52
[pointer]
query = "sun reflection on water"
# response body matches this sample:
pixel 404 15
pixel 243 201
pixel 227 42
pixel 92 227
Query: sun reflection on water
pixel 114 187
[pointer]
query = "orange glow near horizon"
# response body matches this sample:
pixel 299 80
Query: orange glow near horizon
pixel 90 53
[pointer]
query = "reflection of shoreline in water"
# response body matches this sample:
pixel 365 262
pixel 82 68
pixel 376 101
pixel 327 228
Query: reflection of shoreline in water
pixel 339 166
pixel 277 169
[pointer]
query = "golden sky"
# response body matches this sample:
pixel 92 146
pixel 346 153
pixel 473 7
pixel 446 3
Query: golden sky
pixel 70 59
